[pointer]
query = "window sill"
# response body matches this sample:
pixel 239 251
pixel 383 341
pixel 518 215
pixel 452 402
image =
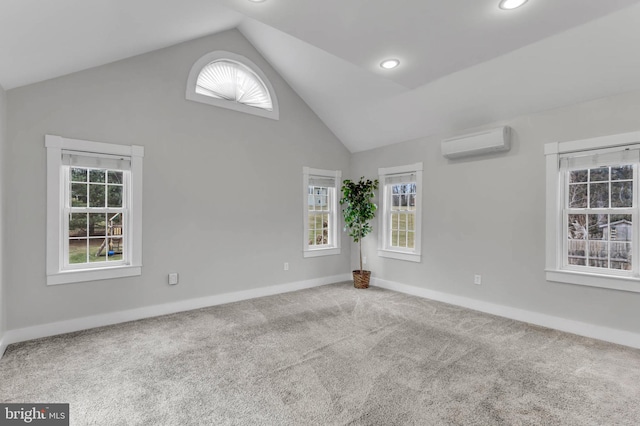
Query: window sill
pixel 612 282
pixel 68 277
pixel 321 252
pixel 400 255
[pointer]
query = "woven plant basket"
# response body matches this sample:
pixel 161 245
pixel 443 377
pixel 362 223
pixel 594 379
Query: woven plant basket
pixel 361 280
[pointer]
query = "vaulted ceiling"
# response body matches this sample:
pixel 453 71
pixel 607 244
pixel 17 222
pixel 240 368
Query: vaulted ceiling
pixel 463 63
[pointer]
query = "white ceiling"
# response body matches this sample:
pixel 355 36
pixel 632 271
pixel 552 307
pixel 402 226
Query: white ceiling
pixel 464 63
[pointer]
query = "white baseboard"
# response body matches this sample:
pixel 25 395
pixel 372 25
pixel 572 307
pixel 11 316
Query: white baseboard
pixel 85 323
pixel 612 335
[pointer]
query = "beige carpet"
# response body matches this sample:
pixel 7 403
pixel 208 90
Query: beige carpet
pixel 332 355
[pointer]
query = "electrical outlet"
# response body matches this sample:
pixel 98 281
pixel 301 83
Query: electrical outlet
pixel 364 260
pixel 477 279
pixel 286 266
pixel 173 278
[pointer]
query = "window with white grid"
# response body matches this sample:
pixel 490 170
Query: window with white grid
pixel 400 215
pixel 94 201
pixel 96 213
pixel 592 212
pixel 320 212
pixel 600 209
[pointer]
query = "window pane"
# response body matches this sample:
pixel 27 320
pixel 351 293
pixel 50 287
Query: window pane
pixel 622 194
pixel 578 176
pixel 599 174
pixel 622 172
pixel 578 196
pixel 96 175
pixel 395 202
pixel 78 195
pixel 115 196
pixel 621 227
pixel 325 221
pixel 78 225
pixel 114 225
pixel 402 238
pixel 115 177
pixel 115 249
pixel 78 175
pixel 97 250
pixel 411 222
pixel 577 252
pixel 404 200
pixel 97 224
pixel 621 256
pixel 598 250
pixel 599 197
pixel 412 202
pixel 323 202
pixel 411 239
pixel 394 238
pixel 77 251
pixel 394 221
pixel 96 196
pixel 598 226
pixel 577 227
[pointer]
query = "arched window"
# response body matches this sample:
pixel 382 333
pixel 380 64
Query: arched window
pixel 232 81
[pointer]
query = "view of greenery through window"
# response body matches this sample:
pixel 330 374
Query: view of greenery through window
pixel 95 215
pixel 403 216
pixel 319 209
pixel 600 224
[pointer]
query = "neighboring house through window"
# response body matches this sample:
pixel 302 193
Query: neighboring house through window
pixel 592 212
pixel 231 81
pixel 94 194
pixel 320 209
pixel 400 219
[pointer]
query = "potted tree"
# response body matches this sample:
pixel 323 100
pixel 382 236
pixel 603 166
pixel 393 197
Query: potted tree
pixel 358 210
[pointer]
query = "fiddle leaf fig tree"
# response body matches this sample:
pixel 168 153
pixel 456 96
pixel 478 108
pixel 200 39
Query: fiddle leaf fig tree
pixel 358 209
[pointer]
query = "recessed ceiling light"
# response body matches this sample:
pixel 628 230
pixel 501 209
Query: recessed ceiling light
pixel 256 1
pixel 389 64
pixel 511 4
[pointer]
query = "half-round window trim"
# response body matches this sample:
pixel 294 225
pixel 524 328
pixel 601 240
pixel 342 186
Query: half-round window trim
pixel 191 94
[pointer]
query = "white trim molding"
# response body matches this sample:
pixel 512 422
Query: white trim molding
pixel 386 176
pixel 557 268
pixel 334 179
pixel 85 323
pixel 55 270
pixel 606 334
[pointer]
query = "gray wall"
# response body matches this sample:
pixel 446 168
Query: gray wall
pixel 3 143
pixel 486 215
pixel 222 189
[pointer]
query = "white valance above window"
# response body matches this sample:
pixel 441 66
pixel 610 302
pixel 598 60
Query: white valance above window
pixel 594 159
pixel 400 178
pixel 324 181
pixel 97 161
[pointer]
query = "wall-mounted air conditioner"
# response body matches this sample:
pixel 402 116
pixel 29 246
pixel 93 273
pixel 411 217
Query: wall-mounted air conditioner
pixel 486 141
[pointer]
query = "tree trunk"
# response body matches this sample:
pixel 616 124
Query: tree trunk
pixel 360 244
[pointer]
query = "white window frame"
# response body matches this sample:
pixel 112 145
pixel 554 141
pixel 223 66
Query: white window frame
pixel 56 271
pixel 192 80
pixel 333 247
pixel 385 249
pixel 555 268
